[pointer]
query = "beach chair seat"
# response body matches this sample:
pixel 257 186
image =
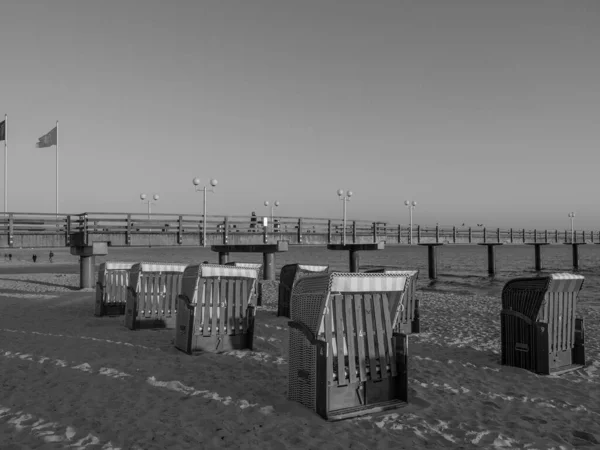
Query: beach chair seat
pixel 215 308
pixel 540 331
pixel 409 320
pixel 111 288
pixel 345 358
pixel 152 295
pixel 290 274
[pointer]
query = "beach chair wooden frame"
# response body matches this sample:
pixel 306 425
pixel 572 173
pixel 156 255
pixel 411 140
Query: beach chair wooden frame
pixel 258 267
pixel 152 295
pixel 111 288
pixel 289 276
pixel 410 318
pixel 539 328
pixel 215 308
pixel 345 359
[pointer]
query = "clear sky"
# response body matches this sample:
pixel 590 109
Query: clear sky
pixel 483 111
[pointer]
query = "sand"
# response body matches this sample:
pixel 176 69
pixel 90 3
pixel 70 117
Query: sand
pixel 72 380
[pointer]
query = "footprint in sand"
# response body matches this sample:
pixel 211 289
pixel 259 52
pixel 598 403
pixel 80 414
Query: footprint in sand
pixel 534 420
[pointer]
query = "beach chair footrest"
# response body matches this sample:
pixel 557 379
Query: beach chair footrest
pixel 354 411
pixel 565 369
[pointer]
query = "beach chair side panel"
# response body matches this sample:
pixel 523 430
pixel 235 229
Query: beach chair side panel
pixel 222 317
pixel 521 299
pixel 113 293
pixel 152 299
pixel 289 276
pixel 306 311
pixel 560 332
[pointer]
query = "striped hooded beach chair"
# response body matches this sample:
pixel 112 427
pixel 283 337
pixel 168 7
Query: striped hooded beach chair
pixel 540 331
pixel 215 308
pixel 345 359
pixel 409 321
pixel 289 276
pixel 111 288
pixel 152 295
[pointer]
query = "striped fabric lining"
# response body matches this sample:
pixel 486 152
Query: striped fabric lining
pixel 312 268
pixel 161 267
pixel 116 265
pixel 228 271
pixel 247 265
pixel 408 273
pixel 342 282
pixel 566 276
pixel 565 282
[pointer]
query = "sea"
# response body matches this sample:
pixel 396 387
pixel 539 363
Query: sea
pixel 461 269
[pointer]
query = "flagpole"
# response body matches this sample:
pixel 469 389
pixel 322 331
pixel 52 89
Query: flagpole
pixel 5 163
pixel 56 169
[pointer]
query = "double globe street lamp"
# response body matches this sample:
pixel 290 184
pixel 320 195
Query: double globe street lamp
pixel 571 215
pixel 345 197
pixel 149 202
pixel 410 205
pixel 274 205
pixel 213 183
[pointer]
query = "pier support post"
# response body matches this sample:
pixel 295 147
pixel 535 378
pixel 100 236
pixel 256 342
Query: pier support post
pixel 491 251
pixel 87 267
pixel 432 257
pixel 87 259
pixel 223 257
pixel 575 246
pixel 354 261
pixel 269 266
pixel 353 252
pixel 538 254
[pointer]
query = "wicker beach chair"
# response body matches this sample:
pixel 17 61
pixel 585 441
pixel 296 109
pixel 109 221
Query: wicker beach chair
pixel 289 276
pixel 409 321
pixel 111 288
pixel 345 360
pixel 215 310
pixel 539 328
pixel 152 295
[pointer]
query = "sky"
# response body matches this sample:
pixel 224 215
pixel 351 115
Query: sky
pixel 482 111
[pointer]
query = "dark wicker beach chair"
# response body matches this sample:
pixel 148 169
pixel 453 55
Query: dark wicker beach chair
pixel 345 360
pixel 539 328
pixel 152 295
pixel 409 320
pixel 289 276
pixel 111 288
pixel 215 308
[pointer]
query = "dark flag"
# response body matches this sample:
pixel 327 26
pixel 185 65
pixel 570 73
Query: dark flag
pixel 47 140
pixel 3 130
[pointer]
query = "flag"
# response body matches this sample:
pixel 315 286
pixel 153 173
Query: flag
pixel 3 130
pixel 47 140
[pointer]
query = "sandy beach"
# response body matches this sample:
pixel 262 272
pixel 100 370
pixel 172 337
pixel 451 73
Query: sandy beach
pixel 72 380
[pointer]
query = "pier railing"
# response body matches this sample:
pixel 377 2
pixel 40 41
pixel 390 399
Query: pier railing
pixel 122 229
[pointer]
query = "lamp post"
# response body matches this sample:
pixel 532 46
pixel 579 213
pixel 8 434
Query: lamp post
pixel 571 215
pixel 213 183
pixel 345 197
pixel 149 202
pixel 410 205
pixel 274 205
